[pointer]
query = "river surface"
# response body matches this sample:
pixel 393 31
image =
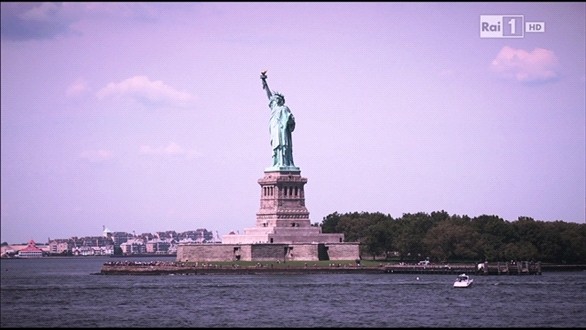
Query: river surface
pixel 66 292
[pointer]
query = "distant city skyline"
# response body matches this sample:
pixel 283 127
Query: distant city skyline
pixel 150 117
pixel 204 232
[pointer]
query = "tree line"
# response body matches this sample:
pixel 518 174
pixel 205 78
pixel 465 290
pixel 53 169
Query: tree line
pixel 441 237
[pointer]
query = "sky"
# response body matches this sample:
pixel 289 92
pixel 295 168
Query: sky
pixel 146 117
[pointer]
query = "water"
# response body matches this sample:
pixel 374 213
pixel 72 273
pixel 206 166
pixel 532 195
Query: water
pixel 62 292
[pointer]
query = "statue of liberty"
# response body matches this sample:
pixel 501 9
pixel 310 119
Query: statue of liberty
pixel 281 124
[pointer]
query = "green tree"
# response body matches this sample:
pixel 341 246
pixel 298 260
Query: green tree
pixel 380 235
pixel 330 223
pixel 449 240
pixel 494 233
pixel 411 229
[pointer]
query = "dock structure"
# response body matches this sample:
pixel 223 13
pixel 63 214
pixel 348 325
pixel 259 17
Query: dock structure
pixel 509 268
pixel 180 268
pixel 486 268
pixel 430 269
pixel 160 268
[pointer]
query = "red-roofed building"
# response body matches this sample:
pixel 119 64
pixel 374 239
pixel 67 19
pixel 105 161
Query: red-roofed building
pixel 30 251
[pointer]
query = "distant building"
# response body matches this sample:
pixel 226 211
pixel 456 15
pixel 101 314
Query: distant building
pixel 169 234
pixel 133 246
pixel 107 243
pixel 93 250
pixel 158 246
pixel 119 237
pixel 199 235
pixel 30 251
pixel 106 232
pixel 60 246
pixel 8 251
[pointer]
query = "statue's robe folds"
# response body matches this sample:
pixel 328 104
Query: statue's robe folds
pixel 281 124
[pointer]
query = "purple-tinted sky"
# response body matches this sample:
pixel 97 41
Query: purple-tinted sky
pixel 151 116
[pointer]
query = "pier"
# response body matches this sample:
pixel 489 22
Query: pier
pixel 180 268
pixel 486 268
pixel 510 268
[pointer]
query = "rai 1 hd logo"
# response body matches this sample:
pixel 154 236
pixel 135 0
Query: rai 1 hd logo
pixel 508 26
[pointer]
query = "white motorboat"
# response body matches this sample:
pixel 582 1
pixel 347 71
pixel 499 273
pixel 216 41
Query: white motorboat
pixel 463 281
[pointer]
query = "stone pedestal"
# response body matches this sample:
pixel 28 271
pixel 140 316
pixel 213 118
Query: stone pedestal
pixel 282 200
pixel 282 231
pixel 282 217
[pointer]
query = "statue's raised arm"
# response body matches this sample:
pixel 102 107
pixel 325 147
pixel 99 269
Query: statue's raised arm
pixel 265 86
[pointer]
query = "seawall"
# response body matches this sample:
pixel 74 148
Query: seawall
pixel 190 269
pixel 180 268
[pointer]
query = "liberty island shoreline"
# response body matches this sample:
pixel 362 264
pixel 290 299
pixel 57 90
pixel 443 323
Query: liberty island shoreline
pixel 183 268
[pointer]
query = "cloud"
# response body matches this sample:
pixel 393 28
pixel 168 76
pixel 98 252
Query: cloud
pixel 47 20
pixel 147 92
pixel 140 12
pixel 24 21
pixel 96 156
pixel 540 65
pixel 172 149
pixel 78 87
